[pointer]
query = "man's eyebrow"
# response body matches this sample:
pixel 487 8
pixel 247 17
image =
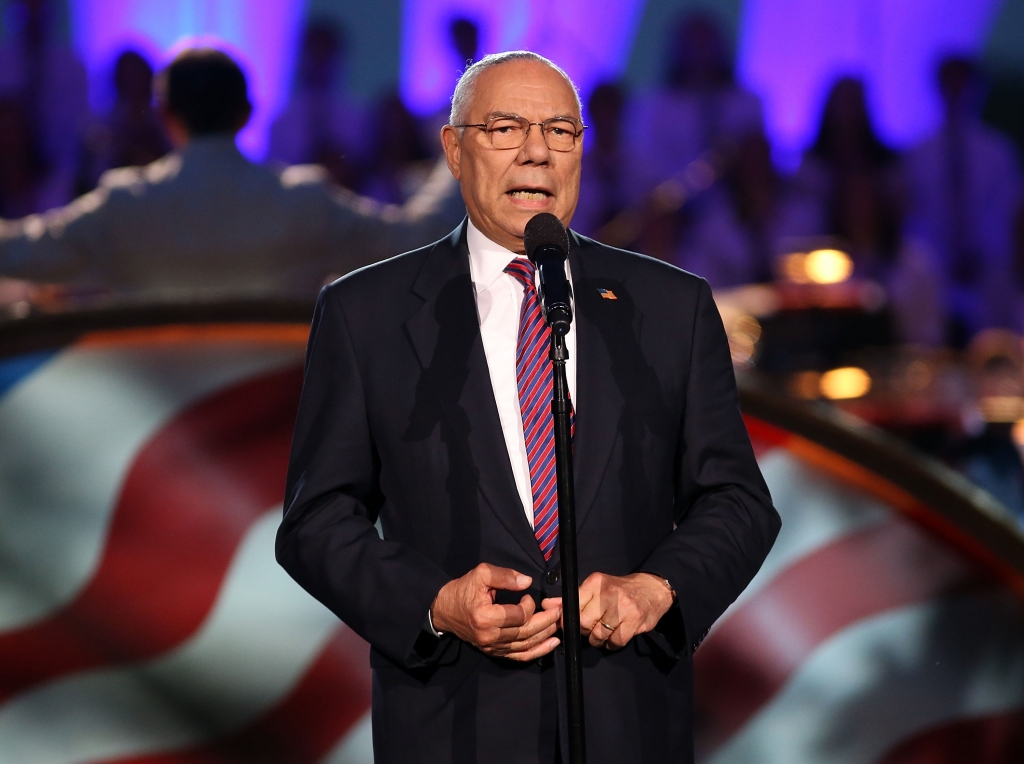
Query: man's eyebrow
pixel 501 114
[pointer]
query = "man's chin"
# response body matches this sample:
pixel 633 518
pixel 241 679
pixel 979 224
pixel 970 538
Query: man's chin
pixel 522 216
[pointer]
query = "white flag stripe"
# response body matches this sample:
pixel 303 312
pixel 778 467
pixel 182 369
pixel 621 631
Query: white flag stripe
pixel 261 636
pixel 356 747
pixel 70 432
pixel 815 512
pixel 887 678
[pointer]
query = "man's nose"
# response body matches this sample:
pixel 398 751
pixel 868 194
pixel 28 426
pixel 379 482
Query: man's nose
pixel 535 150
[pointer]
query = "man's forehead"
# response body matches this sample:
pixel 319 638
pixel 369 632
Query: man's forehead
pixel 515 86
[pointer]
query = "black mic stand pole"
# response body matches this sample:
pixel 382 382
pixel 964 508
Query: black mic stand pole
pixel 571 639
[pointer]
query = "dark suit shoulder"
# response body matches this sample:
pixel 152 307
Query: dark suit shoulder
pixel 374 287
pixel 648 281
pixel 383 277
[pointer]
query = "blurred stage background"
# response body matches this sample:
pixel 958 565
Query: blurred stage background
pixel 845 174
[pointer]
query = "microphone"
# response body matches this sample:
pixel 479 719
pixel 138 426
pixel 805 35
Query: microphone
pixel 547 244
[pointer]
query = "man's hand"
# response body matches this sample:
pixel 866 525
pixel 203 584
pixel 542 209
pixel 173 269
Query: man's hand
pixel 466 608
pixel 614 609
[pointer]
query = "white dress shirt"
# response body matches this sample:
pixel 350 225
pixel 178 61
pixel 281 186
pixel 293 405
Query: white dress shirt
pixel 499 297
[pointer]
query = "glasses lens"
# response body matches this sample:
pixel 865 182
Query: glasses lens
pixel 507 133
pixel 560 134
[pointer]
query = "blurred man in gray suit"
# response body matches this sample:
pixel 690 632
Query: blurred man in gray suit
pixel 206 219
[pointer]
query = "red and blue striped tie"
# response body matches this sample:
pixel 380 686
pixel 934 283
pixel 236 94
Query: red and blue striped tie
pixel 534 380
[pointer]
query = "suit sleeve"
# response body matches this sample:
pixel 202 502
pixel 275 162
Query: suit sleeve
pixel 327 541
pixel 726 523
pixel 372 231
pixel 64 244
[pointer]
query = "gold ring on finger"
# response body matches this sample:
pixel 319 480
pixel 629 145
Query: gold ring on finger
pixel 610 628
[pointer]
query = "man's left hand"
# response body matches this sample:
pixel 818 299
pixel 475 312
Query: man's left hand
pixel 614 609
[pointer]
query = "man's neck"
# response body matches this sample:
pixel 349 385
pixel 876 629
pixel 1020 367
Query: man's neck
pixel 518 249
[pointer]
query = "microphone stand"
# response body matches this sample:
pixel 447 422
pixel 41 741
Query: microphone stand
pixel 561 409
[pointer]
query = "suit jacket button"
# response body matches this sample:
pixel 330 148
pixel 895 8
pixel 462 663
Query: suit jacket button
pixel 552 577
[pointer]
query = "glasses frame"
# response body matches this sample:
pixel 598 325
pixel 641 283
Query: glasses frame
pixel 486 127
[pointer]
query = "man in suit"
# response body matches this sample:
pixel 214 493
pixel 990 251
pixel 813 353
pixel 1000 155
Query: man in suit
pixel 419 410
pixel 204 219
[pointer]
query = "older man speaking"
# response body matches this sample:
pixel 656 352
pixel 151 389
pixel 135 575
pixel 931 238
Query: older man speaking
pixel 418 411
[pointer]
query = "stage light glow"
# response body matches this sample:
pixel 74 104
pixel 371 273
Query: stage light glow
pixel 828 266
pixel 1018 434
pixel 794 267
pixel 264 40
pixel 743 334
pixel 845 383
pixel 820 266
pixel 1002 409
pixel 806 384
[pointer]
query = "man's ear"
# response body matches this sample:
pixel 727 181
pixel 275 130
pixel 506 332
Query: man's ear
pixel 175 128
pixel 450 140
pixel 243 119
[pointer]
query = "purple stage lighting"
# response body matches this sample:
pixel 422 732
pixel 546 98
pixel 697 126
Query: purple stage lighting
pixel 790 51
pixel 262 35
pixel 590 41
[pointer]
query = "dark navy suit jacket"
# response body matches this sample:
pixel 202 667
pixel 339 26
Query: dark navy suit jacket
pixel 398 422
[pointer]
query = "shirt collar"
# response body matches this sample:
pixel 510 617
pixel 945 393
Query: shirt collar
pixel 487 260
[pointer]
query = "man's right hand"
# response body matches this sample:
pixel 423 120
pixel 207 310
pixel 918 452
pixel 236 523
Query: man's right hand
pixel 466 608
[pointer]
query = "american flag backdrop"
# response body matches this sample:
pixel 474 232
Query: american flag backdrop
pixel 143 617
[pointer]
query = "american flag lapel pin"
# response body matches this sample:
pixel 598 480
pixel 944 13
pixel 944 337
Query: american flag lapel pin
pixel 607 294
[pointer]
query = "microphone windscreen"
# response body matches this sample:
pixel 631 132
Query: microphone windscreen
pixel 545 229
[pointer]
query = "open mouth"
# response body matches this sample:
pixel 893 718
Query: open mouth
pixel 529 194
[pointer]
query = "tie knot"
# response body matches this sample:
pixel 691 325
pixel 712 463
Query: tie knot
pixel 521 270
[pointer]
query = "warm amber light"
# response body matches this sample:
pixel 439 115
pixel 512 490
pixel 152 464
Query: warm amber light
pixel 1001 408
pixel 828 266
pixel 794 267
pixel 806 384
pixel 918 375
pixel 847 382
pixel 743 331
pixel 1018 433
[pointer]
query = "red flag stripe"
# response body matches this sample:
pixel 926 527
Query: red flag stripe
pixel 995 739
pixel 329 699
pixel 748 659
pixel 188 499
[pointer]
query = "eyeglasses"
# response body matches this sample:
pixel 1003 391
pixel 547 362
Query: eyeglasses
pixel 560 133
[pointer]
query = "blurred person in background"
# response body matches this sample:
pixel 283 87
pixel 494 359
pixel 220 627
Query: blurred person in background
pixel 204 218
pixel 847 144
pixel 988 454
pixel 27 184
pixel 1018 261
pixel 965 187
pixel 132 135
pixel 137 136
pixel 700 106
pixel 602 195
pixel 48 79
pixel 745 220
pixel 683 134
pixel 464 38
pixel 867 222
pixel 322 123
pixel 400 161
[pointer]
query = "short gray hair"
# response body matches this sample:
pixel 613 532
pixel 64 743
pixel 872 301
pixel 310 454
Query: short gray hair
pixel 464 87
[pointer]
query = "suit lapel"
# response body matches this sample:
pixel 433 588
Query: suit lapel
pixel 599 321
pixel 445 333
